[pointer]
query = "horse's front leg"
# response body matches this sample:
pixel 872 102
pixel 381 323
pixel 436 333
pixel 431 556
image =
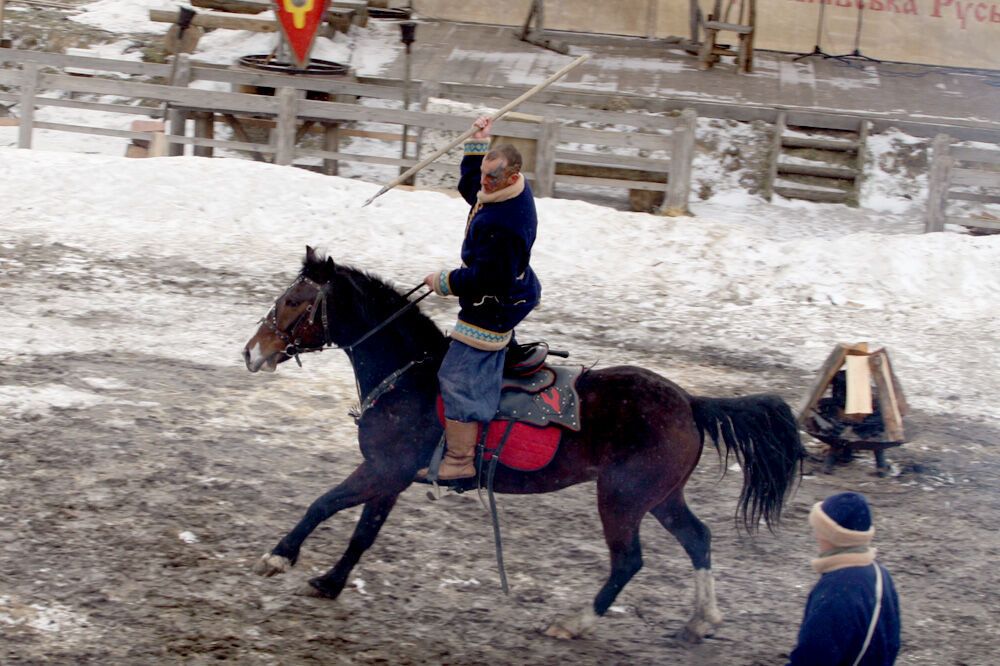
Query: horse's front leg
pixel 361 486
pixel 373 516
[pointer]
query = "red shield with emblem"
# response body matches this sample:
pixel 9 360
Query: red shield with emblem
pixel 300 19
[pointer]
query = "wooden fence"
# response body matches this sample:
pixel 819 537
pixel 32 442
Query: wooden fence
pixel 960 173
pixel 290 114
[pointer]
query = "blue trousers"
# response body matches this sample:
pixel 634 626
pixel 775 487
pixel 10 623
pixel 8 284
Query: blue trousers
pixel 470 381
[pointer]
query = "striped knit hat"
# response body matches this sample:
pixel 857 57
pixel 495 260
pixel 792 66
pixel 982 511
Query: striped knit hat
pixel 843 519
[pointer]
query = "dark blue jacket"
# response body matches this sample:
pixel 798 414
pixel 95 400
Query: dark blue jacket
pixel 837 616
pixel 496 286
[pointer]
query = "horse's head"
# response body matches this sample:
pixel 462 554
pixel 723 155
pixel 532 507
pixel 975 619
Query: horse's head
pixel 298 320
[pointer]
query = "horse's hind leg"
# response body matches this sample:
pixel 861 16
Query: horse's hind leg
pixel 620 517
pixel 361 486
pixel 373 516
pixel 696 539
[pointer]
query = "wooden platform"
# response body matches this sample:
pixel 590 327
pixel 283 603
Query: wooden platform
pixel 887 94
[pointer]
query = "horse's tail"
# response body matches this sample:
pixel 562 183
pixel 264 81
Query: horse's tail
pixel 762 433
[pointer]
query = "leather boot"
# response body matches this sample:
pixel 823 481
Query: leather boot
pixel 460 455
pixel 459 460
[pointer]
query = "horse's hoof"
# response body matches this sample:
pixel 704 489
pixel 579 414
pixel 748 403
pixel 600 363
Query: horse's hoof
pixel 314 590
pixel 271 565
pixel 572 627
pixel 556 630
pixel 696 630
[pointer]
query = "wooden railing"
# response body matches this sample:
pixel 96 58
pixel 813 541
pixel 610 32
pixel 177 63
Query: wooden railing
pixel 164 93
pixel 960 173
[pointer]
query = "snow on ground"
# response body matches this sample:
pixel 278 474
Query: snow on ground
pixel 784 280
pixel 742 277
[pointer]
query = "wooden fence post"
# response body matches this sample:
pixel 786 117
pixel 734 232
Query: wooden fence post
pixel 938 182
pixel 288 102
pixel 29 88
pixel 545 158
pixel 177 126
pixel 681 157
pixel 204 128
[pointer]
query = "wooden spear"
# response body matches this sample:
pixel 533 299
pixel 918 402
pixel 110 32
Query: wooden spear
pixel 472 130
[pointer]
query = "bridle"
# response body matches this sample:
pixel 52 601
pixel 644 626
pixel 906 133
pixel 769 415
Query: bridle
pixel 293 340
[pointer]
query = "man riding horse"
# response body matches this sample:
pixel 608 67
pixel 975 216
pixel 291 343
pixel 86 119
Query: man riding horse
pixel 496 289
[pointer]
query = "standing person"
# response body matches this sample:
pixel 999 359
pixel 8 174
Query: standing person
pixel 852 616
pixel 496 289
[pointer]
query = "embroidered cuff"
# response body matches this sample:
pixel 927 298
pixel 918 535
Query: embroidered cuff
pixel 478 337
pixel 442 287
pixel 477 146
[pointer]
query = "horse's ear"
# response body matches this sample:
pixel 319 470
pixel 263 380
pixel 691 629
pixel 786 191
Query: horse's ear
pixel 310 255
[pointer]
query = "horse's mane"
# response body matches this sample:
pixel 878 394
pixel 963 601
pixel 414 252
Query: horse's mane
pixel 376 300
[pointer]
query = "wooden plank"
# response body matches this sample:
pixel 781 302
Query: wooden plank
pixel 180 76
pixel 938 183
pixel 859 386
pixel 901 403
pixel 374 159
pixel 125 109
pixel 774 154
pixel 839 173
pixel 974 196
pixel 182 97
pixel 681 161
pixel 606 138
pixel 545 158
pixel 619 161
pixel 29 89
pixel 818 144
pixel 975 177
pixel 204 128
pixel 729 27
pixel 63 61
pixel 986 155
pixel 238 76
pixel 614 173
pixel 97 131
pixel 221 143
pixel 611 182
pixel 888 404
pixel 977 222
pixel 820 196
pixel 859 163
pixel 285 134
pixel 222 20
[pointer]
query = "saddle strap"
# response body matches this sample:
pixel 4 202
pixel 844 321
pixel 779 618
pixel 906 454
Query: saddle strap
pixel 497 540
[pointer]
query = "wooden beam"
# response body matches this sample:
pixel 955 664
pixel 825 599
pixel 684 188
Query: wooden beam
pixel 938 184
pixel 681 160
pixel 29 90
pixel 219 20
pixel 889 405
pixel 545 158
pixel 774 154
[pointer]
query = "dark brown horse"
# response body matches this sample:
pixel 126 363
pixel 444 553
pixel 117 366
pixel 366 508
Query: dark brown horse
pixel 640 439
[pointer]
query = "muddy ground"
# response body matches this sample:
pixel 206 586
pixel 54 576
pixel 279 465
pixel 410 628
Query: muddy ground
pixel 129 522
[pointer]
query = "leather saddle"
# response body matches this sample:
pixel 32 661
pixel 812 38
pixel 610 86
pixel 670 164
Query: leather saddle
pixel 525 360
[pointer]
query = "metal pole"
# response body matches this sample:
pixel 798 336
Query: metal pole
pixel 472 130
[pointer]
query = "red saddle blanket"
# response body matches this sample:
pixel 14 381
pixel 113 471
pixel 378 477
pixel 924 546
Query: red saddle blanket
pixel 528 448
pixel 537 409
